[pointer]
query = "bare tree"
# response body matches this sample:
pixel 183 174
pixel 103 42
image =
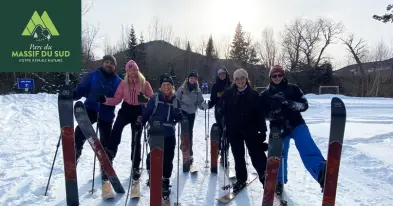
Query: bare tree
pixel 330 31
pixel 305 41
pixel 202 45
pixel 89 36
pixel 87 6
pixel 268 48
pixel 225 46
pixel 177 42
pixel 292 42
pixel 109 48
pixel 358 49
pixel 381 52
pixel 122 44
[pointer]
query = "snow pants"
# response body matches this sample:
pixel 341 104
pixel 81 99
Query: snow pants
pixel 169 154
pixel 126 115
pixel 309 153
pixel 255 150
pixel 191 121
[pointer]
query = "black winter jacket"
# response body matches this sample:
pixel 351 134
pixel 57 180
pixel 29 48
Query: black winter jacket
pixel 242 111
pixel 291 118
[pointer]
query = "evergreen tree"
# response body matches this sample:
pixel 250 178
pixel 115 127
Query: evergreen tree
pixel 388 17
pixel 141 56
pixel 239 46
pixel 132 43
pixel 211 54
pixel 252 56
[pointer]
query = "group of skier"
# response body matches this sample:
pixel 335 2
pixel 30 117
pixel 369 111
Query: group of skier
pixel 240 112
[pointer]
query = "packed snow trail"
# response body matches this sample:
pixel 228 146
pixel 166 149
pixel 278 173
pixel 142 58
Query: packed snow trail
pixel 30 129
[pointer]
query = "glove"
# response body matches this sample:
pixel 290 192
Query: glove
pixel 178 115
pixel 142 98
pixel 284 101
pixel 101 98
pixel 265 146
pixel 262 136
pixel 275 115
pixel 205 105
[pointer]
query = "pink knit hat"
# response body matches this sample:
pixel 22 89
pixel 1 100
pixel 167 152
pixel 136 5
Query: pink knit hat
pixel 131 64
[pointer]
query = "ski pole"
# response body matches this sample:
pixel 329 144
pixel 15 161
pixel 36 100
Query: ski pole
pixel 206 139
pixel 133 149
pixel 177 203
pixel 53 163
pixel 143 145
pixel 94 164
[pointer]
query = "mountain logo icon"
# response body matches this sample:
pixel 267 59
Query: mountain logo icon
pixel 40 27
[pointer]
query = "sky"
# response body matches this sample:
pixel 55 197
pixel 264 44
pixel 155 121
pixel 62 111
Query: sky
pixel 195 20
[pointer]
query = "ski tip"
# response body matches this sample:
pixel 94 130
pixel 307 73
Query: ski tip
pixel 65 92
pixel 337 106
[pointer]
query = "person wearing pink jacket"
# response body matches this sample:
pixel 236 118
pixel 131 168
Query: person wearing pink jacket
pixel 135 91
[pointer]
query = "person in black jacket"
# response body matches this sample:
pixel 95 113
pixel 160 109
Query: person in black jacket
pixel 240 105
pixel 222 83
pixel 285 102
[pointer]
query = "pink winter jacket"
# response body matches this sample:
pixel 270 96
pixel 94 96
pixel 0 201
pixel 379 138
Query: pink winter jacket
pixel 129 95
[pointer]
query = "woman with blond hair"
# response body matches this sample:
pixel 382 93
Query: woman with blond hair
pixel 190 96
pixel 135 92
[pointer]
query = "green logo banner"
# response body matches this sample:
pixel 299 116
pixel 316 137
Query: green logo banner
pixel 41 36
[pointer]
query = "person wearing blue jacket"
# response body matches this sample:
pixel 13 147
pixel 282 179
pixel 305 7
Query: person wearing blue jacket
pixel 95 86
pixel 164 107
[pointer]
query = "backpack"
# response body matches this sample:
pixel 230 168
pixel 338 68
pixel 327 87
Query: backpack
pixel 175 106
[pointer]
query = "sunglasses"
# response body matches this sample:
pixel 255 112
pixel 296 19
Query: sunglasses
pixel 277 75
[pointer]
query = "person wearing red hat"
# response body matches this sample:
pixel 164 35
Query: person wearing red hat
pixel 284 103
pixel 135 92
pixel 244 124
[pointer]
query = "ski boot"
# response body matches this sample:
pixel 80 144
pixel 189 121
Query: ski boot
pixel 238 186
pixel 166 191
pixel 279 188
pixel 148 178
pixel 321 176
pixel 136 174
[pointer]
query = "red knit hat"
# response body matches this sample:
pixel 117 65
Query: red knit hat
pixel 277 69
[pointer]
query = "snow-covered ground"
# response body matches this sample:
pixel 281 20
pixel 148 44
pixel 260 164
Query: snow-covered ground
pixel 29 131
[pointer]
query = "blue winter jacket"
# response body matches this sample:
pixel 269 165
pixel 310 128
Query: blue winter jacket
pixel 165 112
pixel 94 84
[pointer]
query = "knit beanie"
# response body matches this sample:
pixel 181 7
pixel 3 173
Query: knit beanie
pixel 131 64
pixel 240 73
pixel 276 69
pixel 221 70
pixel 193 74
pixel 110 58
pixel 166 78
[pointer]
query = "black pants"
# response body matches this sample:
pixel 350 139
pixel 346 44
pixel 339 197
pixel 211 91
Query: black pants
pixel 191 121
pixel 257 155
pixel 104 134
pixel 219 120
pixel 126 115
pixel 169 154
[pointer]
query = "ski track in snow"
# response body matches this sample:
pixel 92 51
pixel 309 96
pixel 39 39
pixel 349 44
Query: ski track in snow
pixel 30 130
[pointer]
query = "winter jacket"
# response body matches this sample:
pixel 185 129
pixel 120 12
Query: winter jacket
pixel 129 95
pixel 218 89
pixel 165 112
pixel 97 83
pixel 190 100
pixel 291 118
pixel 242 111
